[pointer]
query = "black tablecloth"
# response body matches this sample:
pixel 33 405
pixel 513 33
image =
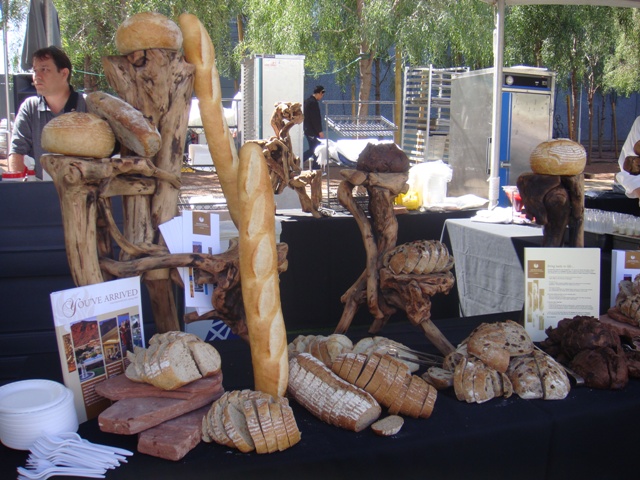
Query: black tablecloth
pixel 590 435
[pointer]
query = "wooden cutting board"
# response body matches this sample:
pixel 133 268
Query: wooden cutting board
pixel 120 387
pixel 133 415
pixel 173 439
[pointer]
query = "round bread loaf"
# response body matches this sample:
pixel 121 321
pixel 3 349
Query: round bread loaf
pixel 146 30
pixel 558 157
pixel 79 134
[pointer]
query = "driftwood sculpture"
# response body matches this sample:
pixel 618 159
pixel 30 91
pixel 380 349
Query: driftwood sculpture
pixel 555 202
pixel 382 170
pixel 158 83
pixel 284 167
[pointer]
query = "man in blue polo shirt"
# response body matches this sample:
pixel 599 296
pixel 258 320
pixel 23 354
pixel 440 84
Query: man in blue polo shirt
pixel 51 78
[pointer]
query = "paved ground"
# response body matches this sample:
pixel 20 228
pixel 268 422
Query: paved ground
pixel 599 174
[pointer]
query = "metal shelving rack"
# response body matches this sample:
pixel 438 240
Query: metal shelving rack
pixel 426 112
pixel 354 126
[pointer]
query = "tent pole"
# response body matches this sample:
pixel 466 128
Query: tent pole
pixel 5 42
pixel 498 48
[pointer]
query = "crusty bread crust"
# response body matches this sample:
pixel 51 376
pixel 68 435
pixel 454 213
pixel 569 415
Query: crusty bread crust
pixel 259 274
pixel 130 127
pixel 199 51
pixel 146 30
pixel 78 134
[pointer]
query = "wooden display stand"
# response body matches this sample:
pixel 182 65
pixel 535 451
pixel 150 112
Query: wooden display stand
pixel 159 83
pixel 555 201
pixel 378 287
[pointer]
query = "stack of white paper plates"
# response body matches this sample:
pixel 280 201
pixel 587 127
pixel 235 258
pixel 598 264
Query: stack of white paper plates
pixel 32 408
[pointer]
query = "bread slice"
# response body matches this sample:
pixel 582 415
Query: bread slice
pixel 457 378
pixel 388 426
pixel 394 408
pixel 379 376
pixel 439 377
pixel 368 370
pixel 467 380
pixel 388 379
pixel 291 427
pixel 523 373
pixel 206 357
pixel 336 365
pixel 278 426
pixel 215 426
pixel 429 403
pixel 177 367
pixel 413 400
pixel 394 390
pixel 555 383
pixel 482 384
pixel 349 358
pixel 235 426
pixel 253 426
pixel 324 352
pixel 356 368
pixel 264 416
pixel 507 386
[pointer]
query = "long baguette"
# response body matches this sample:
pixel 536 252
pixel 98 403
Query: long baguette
pixel 259 273
pixel 199 51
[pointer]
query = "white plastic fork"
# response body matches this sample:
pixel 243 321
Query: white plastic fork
pixel 44 469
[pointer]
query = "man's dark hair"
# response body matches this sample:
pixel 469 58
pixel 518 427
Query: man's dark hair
pixel 58 56
pixel 318 89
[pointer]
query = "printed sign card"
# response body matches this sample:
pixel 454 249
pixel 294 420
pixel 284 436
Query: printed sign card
pixel 95 326
pixel 200 234
pixel 625 265
pixel 559 283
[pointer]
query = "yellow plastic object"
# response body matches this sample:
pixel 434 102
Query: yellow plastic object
pixel 410 200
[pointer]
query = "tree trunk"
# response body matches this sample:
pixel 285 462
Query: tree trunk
pixel 90 81
pixel 159 83
pixel 397 109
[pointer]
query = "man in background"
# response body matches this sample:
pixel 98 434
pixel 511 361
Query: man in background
pixel 313 124
pixel 51 77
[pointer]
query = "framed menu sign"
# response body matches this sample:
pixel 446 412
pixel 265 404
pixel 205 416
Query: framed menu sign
pixel 559 283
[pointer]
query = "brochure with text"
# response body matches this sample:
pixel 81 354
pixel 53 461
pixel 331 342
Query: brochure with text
pixel 95 326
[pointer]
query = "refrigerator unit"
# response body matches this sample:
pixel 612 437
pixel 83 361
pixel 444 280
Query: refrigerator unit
pixel 527 120
pixel 267 80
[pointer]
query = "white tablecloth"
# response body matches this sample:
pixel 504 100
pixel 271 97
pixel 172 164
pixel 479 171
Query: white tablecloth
pixel 489 275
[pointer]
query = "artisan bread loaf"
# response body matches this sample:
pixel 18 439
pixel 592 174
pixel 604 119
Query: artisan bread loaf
pixel 538 375
pixel 389 381
pixel 199 51
pixel 130 127
pixel 78 134
pixel 328 397
pixel 250 420
pixel 382 345
pixel 558 157
pixel 173 359
pixel 475 382
pixel 495 343
pixel 259 273
pixel 147 30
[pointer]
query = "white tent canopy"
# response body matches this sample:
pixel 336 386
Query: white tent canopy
pixel 494 179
